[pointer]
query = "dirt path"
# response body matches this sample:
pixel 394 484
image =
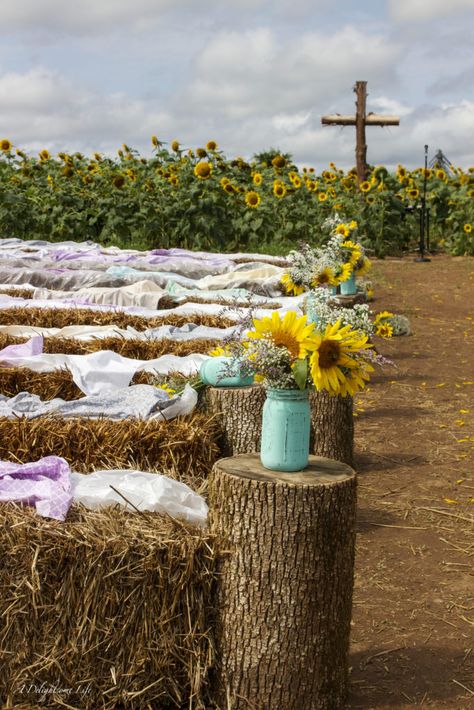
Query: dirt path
pixel 413 622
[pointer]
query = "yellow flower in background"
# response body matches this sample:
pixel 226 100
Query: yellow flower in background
pixel 334 366
pixel 292 332
pixel 175 146
pixel 44 154
pixel 279 190
pixel 224 181
pixel 352 224
pixel 413 193
pixel 211 145
pixel 342 229
pixel 326 277
pixel 118 180
pixel 369 293
pixel 201 153
pixel 322 197
pixel 370 199
pixel 440 174
pixel 384 330
pixel 257 179
pixel 344 273
pixel 365 186
pixel 252 199
pixel 203 170
pixel 354 249
pixel 364 267
pixel 219 351
pixel 468 228
pixel 6 145
pixel 166 388
pixel 279 161
pixel 154 141
pixel 290 285
pixel 383 315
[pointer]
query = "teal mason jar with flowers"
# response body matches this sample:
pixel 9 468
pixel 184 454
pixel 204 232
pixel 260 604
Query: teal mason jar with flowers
pixel 285 430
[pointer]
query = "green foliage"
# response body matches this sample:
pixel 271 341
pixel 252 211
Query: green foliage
pixel 203 200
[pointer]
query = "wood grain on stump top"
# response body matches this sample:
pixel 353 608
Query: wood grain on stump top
pixel 320 471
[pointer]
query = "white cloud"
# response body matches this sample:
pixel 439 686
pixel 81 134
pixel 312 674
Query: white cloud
pixel 290 122
pixel 82 16
pixel 423 10
pixel 252 73
pixel 390 106
pixel 41 109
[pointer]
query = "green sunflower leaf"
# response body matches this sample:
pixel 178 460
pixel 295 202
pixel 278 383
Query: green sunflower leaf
pixel 300 373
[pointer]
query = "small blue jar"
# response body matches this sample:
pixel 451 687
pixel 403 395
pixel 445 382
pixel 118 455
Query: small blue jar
pixel 285 430
pixel 223 372
pixel 349 287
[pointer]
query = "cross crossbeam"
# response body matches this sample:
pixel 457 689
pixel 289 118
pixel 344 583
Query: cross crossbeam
pixel 360 121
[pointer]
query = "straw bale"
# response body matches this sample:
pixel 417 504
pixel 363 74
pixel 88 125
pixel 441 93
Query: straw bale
pixel 61 317
pixel 185 447
pixel 17 292
pixel 133 348
pixel 48 385
pixel 108 610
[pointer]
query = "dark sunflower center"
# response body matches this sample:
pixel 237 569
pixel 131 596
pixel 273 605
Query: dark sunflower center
pixel 329 353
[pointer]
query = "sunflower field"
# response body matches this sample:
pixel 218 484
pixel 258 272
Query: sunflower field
pixel 201 199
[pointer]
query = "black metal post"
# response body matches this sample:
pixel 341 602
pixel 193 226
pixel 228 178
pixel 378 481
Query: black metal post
pixel 424 219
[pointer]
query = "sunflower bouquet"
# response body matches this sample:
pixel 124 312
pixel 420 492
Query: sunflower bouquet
pixel 290 353
pixel 360 318
pixel 328 265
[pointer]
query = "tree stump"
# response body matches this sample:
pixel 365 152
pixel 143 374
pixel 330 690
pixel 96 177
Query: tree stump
pixel 284 592
pixel 239 411
pixel 332 427
pixel 240 415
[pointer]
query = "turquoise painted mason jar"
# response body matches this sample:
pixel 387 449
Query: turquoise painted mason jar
pixel 311 309
pixel 285 430
pixel 223 372
pixel 349 287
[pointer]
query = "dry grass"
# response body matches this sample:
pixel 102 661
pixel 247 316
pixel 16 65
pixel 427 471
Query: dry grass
pixel 60 318
pixel 133 348
pixel 185 445
pixel 110 608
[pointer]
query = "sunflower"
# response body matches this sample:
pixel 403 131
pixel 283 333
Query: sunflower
pixel 211 145
pixel 322 197
pixel 352 224
pixel 201 153
pixel 44 154
pixel 364 267
pixel 279 190
pixel 279 161
pixel 166 388
pixel 385 330
pixel 118 180
pixel 441 175
pixel 203 170
pixel 252 199
pixel 333 365
pixel 257 179
pixel 290 285
pixel 383 315
pixel 326 277
pixel 342 229
pixel 370 199
pixel 224 181
pixel 175 146
pixel 355 251
pixel 468 228
pixel 292 333
pixel 228 187
pixel 365 186
pixel 344 272
pixel 218 351
pixel 6 145
pixel 413 193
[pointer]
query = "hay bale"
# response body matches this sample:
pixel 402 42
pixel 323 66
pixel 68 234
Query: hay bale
pixel 109 609
pixel 48 385
pixel 185 447
pixel 61 317
pixel 133 348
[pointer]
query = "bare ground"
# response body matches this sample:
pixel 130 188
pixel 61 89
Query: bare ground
pixel 413 621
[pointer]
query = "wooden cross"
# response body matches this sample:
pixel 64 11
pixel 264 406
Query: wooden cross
pixel 360 121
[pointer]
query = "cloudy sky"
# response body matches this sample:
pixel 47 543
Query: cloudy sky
pixel 90 75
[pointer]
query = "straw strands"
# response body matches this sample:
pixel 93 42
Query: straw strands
pixel 185 446
pixel 110 608
pixel 62 317
pixel 133 348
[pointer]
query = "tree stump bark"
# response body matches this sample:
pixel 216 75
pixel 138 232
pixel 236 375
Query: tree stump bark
pixel 332 427
pixel 239 411
pixel 240 415
pixel 284 593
